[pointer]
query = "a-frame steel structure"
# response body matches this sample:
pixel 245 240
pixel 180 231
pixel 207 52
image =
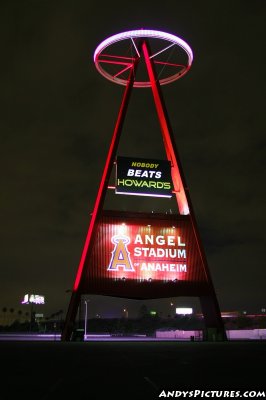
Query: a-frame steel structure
pixel 208 300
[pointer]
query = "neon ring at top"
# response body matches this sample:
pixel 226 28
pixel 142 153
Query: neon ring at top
pixel 126 63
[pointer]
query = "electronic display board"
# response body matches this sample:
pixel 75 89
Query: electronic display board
pixel 143 177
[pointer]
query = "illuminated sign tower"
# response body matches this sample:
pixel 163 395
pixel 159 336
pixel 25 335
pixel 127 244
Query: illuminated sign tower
pixel 145 255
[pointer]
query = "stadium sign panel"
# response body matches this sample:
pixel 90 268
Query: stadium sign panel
pixel 33 299
pixel 137 249
pixel 143 177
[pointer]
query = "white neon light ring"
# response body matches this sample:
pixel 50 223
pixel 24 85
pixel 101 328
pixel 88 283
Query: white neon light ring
pixel 104 58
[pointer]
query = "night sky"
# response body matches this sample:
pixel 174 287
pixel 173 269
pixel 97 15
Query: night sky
pixel 57 119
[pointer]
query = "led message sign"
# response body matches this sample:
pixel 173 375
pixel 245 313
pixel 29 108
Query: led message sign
pixel 143 177
pixel 183 310
pixel 33 298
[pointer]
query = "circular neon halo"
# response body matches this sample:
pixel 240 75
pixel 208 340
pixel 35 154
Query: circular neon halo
pixel 141 33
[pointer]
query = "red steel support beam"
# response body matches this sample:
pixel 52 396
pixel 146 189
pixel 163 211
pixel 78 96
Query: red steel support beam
pixel 210 307
pixel 76 295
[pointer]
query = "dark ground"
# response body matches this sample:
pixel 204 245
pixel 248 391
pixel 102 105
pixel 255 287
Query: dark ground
pixel 125 370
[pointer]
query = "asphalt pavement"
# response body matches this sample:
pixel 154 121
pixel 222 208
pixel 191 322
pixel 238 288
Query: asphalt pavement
pixel 129 369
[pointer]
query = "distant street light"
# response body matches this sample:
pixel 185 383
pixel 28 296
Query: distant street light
pixel 85 319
